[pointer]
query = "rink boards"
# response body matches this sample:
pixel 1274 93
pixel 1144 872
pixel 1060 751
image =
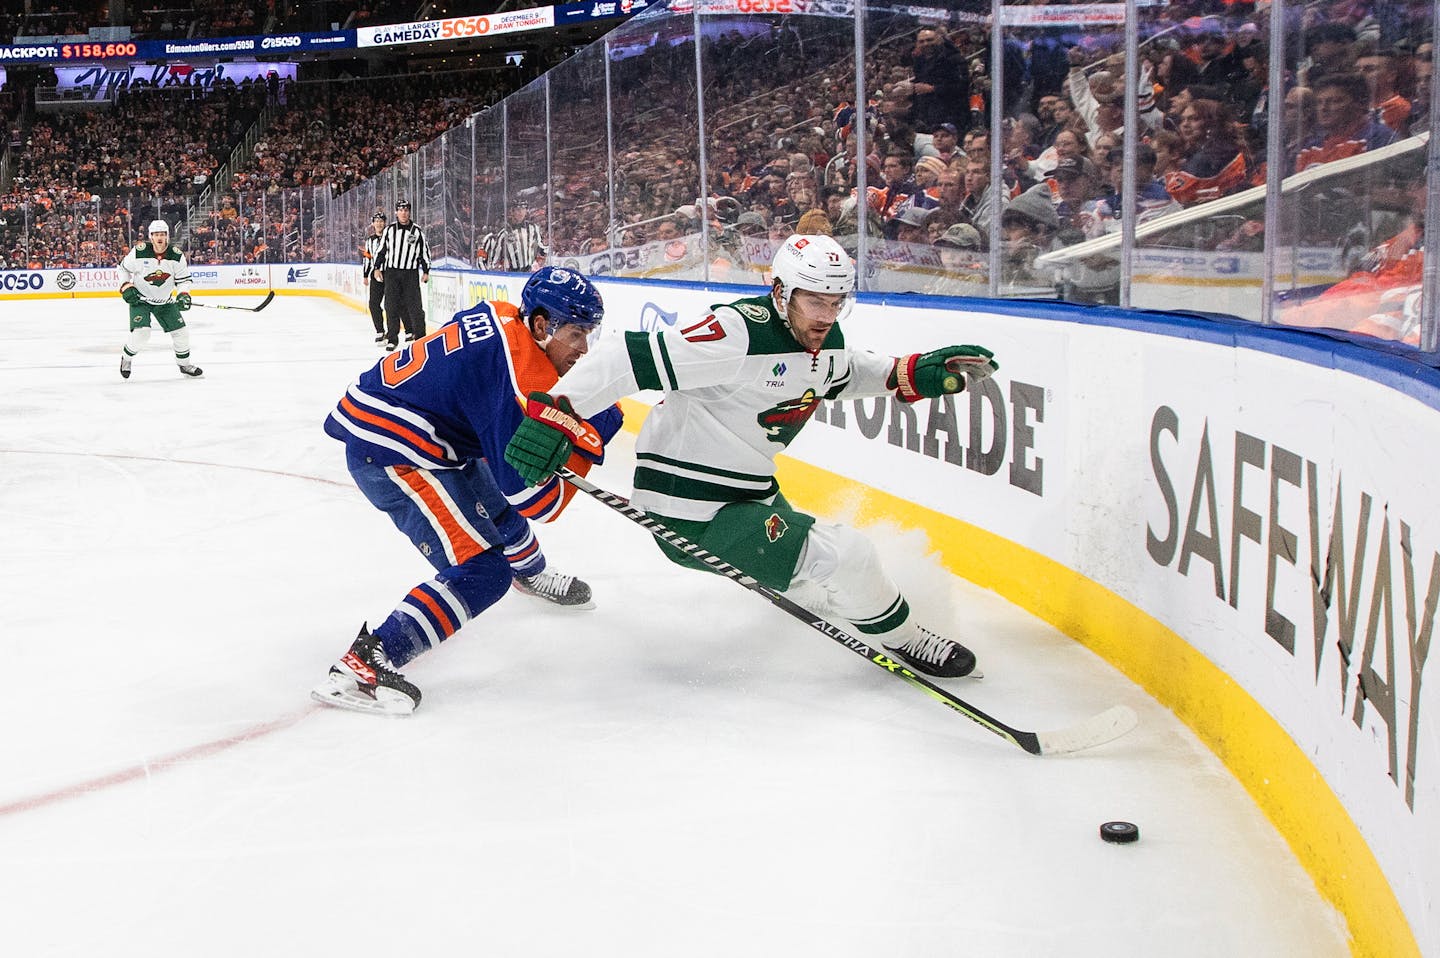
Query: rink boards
pixel 1239 519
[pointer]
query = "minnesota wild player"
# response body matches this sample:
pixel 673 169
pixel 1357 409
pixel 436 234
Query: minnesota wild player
pixel 152 272
pixel 739 384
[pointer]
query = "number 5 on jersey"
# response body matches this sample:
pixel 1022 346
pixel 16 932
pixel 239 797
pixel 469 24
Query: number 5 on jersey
pixel 402 364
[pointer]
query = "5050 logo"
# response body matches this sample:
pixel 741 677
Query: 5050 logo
pixel 22 281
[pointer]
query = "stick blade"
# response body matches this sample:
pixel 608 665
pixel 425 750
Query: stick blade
pixel 266 302
pixel 1096 730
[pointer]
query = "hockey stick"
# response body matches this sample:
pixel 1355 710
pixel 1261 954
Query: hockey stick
pixel 249 309
pixel 1096 730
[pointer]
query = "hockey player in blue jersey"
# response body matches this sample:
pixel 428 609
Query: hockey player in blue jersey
pixel 425 431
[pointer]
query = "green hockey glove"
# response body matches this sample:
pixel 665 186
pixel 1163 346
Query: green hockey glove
pixel 131 295
pixel 940 371
pixel 183 301
pixel 547 435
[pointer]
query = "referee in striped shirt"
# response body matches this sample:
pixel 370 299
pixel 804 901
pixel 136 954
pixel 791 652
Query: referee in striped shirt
pixel 368 249
pixel 402 263
pixel 519 247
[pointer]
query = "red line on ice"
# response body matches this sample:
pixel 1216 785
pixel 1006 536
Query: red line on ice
pixel 158 765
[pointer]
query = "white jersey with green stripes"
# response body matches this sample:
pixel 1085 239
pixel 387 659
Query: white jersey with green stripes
pixel 156 275
pixel 738 388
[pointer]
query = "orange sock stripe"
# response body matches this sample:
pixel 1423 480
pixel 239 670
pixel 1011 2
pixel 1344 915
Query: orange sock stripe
pixel 420 442
pixel 515 558
pixel 447 624
pixel 462 545
pixel 544 502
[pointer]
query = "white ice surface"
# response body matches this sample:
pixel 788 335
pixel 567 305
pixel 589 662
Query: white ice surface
pixel 682 772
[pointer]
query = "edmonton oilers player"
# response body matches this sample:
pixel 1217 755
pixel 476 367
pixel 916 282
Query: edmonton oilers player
pixel 418 429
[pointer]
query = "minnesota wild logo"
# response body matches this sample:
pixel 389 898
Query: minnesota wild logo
pixel 783 420
pixel 775 527
pixel 156 277
pixel 752 312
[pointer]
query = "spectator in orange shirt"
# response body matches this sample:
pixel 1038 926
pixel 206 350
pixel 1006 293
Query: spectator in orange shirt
pixel 1346 126
pixel 1380 70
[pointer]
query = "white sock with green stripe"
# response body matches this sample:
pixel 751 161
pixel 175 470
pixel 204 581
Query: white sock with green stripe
pixel 180 339
pixel 847 566
pixel 139 336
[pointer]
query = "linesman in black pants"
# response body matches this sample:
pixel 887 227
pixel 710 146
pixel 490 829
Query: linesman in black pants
pixel 368 249
pixel 402 263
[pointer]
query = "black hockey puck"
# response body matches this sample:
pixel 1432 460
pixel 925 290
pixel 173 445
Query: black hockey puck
pixel 1120 833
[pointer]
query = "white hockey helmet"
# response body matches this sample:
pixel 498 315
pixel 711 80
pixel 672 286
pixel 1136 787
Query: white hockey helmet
pixel 816 263
pixel 159 226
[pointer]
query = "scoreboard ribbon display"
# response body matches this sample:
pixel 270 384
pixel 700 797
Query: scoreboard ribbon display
pixel 82 52
pixel 395 34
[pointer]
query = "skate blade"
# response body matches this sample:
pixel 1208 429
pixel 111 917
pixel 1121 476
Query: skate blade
pixel 346 695
pixel 582 607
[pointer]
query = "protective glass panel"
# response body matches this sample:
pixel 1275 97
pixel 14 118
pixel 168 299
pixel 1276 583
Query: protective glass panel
pixel 774 86
pixel 403 178
pixel 656 136
pixel 458 184
pixel 233 230
pixel 430 213
pixel 322 202
pixel 521 234
pixel 1350 240
pixel 580 160
pixel 1200 240
pixel 489 184
pixel 1063 127
pixel 927 206
pixel 356 220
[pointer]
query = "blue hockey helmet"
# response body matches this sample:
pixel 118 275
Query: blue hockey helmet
pixel 565 296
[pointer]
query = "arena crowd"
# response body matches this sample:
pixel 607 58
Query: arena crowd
pixel 781 143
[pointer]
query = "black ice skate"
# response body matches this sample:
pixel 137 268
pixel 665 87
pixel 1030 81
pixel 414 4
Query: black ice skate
pixel 194 372
pixel 924 651
pixel 562 590
pixel 365 681
pixel 124 366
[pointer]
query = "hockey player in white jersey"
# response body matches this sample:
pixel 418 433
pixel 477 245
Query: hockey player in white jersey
pixel 739 385
pixel 153 271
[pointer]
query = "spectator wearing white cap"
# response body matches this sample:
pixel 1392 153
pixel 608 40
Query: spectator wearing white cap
pixel 154 270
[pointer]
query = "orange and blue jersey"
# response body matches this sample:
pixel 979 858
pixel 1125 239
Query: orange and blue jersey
pixel 455 397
